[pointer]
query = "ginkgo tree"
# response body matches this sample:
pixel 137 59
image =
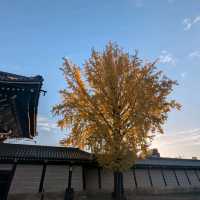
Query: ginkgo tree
pixel 114 105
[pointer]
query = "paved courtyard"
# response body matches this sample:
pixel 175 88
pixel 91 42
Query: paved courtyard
pixel 191 196
pixel 195 196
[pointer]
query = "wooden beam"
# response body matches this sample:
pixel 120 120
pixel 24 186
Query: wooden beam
pixel 163 175
pixel 150 178
pixel 177 181
pixel 186 174
pixel 17 122
pixel 197 175
pixel 83 178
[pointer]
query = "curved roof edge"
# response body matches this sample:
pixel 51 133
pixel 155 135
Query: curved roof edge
pixel 9 77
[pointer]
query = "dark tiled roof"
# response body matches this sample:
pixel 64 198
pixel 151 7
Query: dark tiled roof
pixel 41 153
pixel 164 161
pixel 35 153
pixel 5 76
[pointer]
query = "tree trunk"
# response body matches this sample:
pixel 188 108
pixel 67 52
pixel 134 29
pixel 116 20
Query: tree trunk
pixel 118 193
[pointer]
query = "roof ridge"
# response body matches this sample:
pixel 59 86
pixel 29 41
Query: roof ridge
pixel 41 153
pixel 42 146
pixel 6 76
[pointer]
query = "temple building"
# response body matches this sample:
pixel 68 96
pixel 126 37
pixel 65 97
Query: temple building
pixel 40 172
pixel 19 97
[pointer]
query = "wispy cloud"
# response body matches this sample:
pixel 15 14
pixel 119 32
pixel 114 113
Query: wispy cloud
pixel 45 124
pixel 48 132
pixel 185 143
pixel 183 74
pixel 195 54
pixel 167 58
pixel 189 22
pixel 185 138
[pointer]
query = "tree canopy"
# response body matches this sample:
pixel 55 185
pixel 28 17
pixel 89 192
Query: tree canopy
pixel 114 105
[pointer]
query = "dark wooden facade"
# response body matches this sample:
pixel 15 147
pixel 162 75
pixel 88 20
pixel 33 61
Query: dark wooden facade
pixel 19 97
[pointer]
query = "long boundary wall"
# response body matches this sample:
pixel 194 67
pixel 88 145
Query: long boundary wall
pixel 150 176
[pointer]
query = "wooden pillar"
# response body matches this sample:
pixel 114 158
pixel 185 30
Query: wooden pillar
pixel 12 175
pixel 135 179
pixel 99 177
pixel 41 187
pixel 69 193
pixel 83 178
pixel 70 178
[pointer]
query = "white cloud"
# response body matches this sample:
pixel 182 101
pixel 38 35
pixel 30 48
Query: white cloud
pixel 20 141
pixel 189 22
pixel 194 54
pixel 167 58
pixel 45 124
pixel 48 132
pixel 185 143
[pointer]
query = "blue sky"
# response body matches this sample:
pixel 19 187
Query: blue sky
pixel 36 34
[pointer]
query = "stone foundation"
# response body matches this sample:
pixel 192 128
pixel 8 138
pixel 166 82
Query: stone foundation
pixel 103 195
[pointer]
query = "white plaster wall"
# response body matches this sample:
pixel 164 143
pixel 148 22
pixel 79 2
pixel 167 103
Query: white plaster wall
pixel 26 179
pixel 77 178
pixel 6 166
pixel 169 162
pixel 107 180
pixel 170 178
pixel 193 178
pixel 142 178
pixel 56 178
pixel 157 178
pixel 182 178
pixel 91 176
pixel 128 179
pixel 198 173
